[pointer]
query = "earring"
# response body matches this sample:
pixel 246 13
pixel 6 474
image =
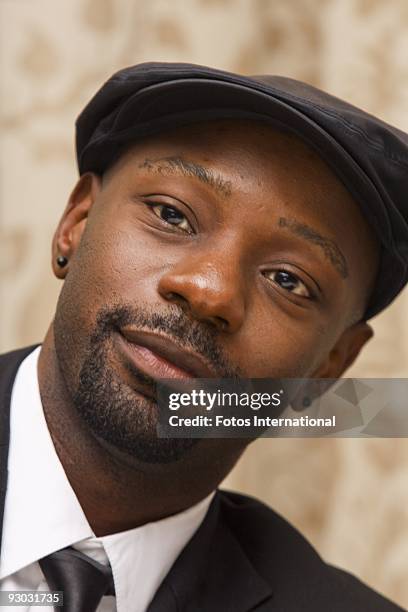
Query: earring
pixel 62 261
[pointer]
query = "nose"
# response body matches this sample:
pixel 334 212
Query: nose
pixel 209 288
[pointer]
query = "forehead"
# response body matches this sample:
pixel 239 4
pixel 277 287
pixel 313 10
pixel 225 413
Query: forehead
pixel 252 154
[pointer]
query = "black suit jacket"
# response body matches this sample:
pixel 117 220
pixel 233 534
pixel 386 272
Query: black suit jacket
pixel 243 557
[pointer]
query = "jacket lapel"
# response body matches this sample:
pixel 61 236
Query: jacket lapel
pixel 9 364
pixel 212 573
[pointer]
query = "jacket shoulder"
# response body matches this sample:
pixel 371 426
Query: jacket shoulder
pixel 15 356
pixel 9 364
pixel 299 577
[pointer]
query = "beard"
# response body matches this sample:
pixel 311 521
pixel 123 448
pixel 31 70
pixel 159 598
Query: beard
pixel 113 410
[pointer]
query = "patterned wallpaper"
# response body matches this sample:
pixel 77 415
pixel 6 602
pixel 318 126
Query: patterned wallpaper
pixel 350 497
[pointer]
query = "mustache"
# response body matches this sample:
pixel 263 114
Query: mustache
pixel 190 334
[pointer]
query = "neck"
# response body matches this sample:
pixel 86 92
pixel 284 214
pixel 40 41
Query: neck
pixel 114 494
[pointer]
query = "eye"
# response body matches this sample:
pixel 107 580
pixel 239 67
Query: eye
pixel 290 282
pixel 172 216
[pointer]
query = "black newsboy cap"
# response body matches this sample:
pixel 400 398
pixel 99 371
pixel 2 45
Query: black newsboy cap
pixel 369 156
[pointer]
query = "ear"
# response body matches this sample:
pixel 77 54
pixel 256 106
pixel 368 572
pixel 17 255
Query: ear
pixel 345 351
pixel 70 228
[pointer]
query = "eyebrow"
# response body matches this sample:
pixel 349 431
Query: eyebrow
pixel 330 249
pixel 179 165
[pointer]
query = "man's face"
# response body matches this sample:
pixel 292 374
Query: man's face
pixel 220 249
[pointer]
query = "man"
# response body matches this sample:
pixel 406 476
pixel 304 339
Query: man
pixel 222 226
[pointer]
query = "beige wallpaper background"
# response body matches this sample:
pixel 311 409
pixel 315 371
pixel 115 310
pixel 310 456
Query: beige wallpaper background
pixel 350 497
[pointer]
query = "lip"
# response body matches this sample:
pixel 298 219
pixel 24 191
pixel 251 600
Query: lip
pixel 160 357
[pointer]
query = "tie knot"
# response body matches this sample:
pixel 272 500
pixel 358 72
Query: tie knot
pixel 83 580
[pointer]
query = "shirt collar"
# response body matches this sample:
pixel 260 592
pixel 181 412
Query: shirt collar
pixel 42 513
pixel 141 558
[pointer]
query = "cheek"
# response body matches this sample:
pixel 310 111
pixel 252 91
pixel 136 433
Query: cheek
pixel 115 263
pixel 279 346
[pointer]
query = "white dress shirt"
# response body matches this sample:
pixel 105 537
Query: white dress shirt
pixel 42 515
